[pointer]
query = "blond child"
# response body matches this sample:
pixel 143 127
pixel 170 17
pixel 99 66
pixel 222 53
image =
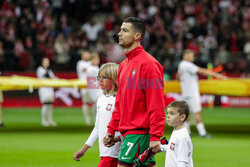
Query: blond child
pixel 107 78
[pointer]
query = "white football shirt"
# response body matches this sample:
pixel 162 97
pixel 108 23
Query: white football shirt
pixel 105 108
pixel 46 94
pixel 179 149
pixel 94 89
pixel 43 73
pixel 188 78
pixel 81 68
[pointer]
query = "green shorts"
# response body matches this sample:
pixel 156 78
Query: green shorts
pixel 133 145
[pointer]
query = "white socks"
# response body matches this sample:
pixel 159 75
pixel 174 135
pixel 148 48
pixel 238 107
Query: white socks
pixel 201 129
pixel 187 126
pixel 50 115
pixel 47 115
pixel 44 115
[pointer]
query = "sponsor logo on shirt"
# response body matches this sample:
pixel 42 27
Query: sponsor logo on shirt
pixel 109 106
pixel 172 145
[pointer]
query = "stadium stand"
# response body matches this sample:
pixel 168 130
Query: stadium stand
pixel 217 30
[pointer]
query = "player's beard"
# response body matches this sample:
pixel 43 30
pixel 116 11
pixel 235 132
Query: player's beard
pixel 125 45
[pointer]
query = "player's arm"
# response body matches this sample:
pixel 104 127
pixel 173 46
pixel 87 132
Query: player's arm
pixel 206 72
pixel 155 103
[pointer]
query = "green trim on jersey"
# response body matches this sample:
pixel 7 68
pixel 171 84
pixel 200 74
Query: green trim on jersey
pixel 133 145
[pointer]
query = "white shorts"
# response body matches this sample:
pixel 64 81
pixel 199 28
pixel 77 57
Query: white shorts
pixel 90 95
pixel 85 96
pixel 94 94
pixel 194 103
pixel 46 94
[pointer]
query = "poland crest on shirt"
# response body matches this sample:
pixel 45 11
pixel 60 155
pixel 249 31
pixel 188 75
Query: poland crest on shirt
pixel 172 145
pixel 109 107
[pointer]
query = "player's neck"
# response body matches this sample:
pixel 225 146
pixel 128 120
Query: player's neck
pixel 133 46
pixel 180 126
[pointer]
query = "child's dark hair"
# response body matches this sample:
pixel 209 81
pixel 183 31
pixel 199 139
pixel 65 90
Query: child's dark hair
pixel 181 106
pixel 138 24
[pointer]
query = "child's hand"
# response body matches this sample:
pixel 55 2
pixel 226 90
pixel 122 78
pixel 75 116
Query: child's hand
pixel 81 152
pixel 108 140
pixel 78 155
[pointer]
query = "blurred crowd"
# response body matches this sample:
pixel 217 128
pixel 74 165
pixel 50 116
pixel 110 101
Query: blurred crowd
pixel 217 30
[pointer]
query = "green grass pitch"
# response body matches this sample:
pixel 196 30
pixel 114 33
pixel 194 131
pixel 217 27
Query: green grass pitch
pixel 24 143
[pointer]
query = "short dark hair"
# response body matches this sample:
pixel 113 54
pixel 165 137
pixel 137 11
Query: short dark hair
pixel 181 106
pixel 137 23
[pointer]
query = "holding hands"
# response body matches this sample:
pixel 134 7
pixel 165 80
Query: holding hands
pixel 109 140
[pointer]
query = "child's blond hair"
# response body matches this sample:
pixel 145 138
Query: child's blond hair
pixel 110 70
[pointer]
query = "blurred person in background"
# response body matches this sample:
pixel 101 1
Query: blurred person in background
pixel 91 29
pixel 46 94
pixel 93 89
pixel 187 74
pixel 81 69
pixel 61 48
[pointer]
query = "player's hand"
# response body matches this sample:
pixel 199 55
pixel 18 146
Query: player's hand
pixel 155 146
pixel 108 140
pixel 78 155
pixel 222 77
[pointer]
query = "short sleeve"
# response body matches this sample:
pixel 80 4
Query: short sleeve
pixel 192 68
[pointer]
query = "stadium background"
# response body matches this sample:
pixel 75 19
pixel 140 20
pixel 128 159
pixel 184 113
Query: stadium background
pixel 217 30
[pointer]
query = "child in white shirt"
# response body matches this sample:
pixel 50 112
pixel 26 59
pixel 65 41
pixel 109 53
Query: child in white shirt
pixel 107 78
pixel 179 150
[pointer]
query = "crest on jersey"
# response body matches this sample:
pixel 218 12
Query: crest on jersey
pixel 109 106
pixel 172 145
pixel 133 72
